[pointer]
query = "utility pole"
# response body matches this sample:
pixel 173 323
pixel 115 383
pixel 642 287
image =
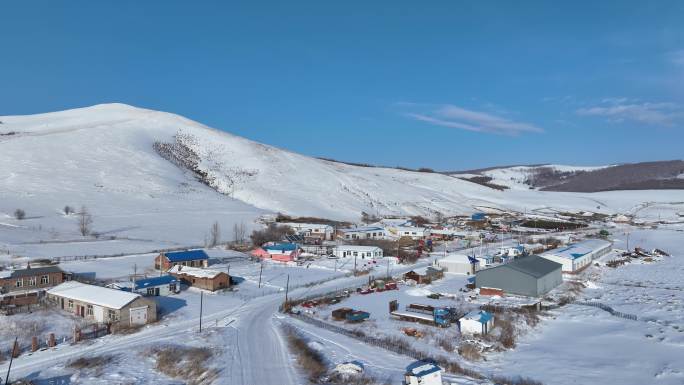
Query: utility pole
pixel 287 288
pixel 14 346
pixel 135 272
pixel 336 266
pixel 628 241
pixel 260 271
pixel 388 265
pixel 201 309
pixel 355 265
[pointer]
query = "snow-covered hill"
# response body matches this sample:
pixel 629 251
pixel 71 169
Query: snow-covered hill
pixel 109 158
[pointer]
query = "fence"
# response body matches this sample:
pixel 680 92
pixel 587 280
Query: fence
pixel 608 309
pixel 397 346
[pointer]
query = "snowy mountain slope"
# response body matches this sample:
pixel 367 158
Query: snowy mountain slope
pixel 114 159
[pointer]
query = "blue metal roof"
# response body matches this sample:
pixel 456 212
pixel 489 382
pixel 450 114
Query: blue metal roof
pixel 422 368
pixel 187 255
pixel 154 281
pixel 282 246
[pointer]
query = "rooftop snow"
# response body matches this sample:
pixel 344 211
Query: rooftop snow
pixel 194 271
pixel 579 249
pixel 422 368
pixel 96 295
pixel 532 265
pixel 357 248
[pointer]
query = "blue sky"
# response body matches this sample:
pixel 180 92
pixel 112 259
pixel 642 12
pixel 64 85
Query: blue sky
pixel 450 85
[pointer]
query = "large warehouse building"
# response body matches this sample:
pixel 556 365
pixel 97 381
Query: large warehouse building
pixel 531 276
pixel 578 255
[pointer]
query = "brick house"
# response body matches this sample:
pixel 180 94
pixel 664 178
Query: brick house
pixel 27 286
pixel 206 279
pixel 100 304
pixel 193 258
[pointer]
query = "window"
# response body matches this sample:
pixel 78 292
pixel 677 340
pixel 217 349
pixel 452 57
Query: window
pixel 89 310
pixel 111 315
pixel 45 279
pixel 70 304
pixel 20 282
pixel 150 291
pixel 32 281
pixel 355 253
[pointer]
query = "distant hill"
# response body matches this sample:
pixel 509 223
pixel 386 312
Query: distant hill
pixel 660 175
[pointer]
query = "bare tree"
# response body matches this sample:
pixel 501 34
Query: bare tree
pixel 239 233
pixel 85 221
pixel 215 235
pixel 68 210
pixel 19 214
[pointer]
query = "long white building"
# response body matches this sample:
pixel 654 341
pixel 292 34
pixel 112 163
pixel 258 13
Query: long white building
pixel 362 252
pixel 579 255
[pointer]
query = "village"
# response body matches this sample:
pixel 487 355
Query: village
pixel 447 292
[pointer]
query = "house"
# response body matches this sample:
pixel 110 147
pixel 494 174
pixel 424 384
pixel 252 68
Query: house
pixel 363 252
pixel 531 276
pixel 476 322
pixel 100 304
pixel 27 286
pixel 282 252
pixel 578 256
pixel 317 230
pixel 459 264
pixel 194 258
pixel 410 232
pixel 152 286
pixel 478 217
pixel 206 279
pixel 426 275
pixel 423 373
pixel 365 232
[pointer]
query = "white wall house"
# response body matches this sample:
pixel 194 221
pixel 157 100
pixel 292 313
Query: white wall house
pixel 476 322
pixel 365 232
pixel 323 231
pixel 459 264
pixel 423 373
pixel 411 232
pixel 362 252
pixel 579 255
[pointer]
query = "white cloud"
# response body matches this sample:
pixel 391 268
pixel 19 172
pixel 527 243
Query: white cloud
pixel 456 117
pixel 622 109
pixel 676 57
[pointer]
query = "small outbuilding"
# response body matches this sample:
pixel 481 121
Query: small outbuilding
pixel 531 276
pixel 423 373
pixel 476 322
pixel 152 286
pixel 193 258
pixel 205 279
pixel 459 264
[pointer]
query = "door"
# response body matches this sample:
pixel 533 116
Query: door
pixel 138 315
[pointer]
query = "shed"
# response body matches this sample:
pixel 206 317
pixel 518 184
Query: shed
pixel 531 276
pixel 423 373
pixel 459 264
pixel 476 322
pixel 154 286
pixel 201 278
